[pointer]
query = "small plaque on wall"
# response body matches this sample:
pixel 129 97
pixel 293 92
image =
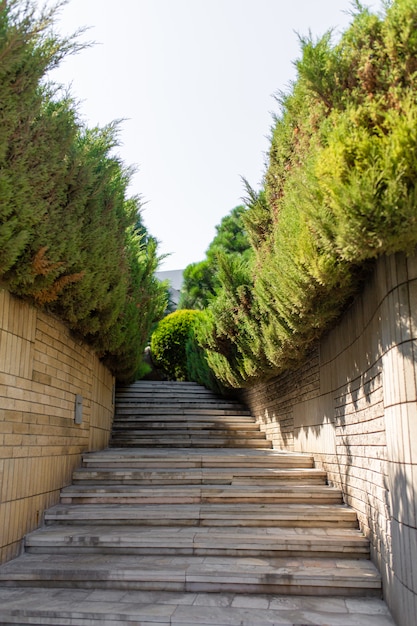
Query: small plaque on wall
pixel 78 409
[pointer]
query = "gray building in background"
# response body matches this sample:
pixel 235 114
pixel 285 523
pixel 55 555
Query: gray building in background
pixel 175 278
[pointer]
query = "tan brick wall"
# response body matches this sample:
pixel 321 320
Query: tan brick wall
pixel 42 369
pixel 353 404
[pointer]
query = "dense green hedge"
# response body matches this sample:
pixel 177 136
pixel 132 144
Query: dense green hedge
pixel 340 189
pixel 69 234
pixel 168 343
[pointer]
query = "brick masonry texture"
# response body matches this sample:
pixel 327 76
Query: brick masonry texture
pixel 353 404
pixel 42 369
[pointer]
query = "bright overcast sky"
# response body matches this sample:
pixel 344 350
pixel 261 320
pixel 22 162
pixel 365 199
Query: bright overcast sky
pixel 193 81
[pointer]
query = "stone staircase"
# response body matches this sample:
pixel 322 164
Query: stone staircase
pixel 190 510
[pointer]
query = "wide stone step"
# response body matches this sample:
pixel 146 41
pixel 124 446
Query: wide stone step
pixel 171 399
pixel 202 541
pixel 174 397
pixel 190 494
pixel 79 607
pixel 189 432
pixel 162 412
pixel 162 384
pixel 199 408
pixel 159 386
pixel 187 458
pixel 191 442
pixel 214 515
pixel 184 422
pixel 238 476
pixel 171 392
pixel 336 577
pixel 178 409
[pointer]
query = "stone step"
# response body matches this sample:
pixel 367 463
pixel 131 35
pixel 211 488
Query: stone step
pixel 172 399
pixel 214 515
pixel 186 458
pixel 161 383
pixel 79 607
pixel 186 425
pixel 159 386
pixel 186 431
pixel 198 408
pixel 192 442
pixel 184 434
pixel 178 409
pixel 200 541
pixel 301 576
pixel 173 396
pixel 234 415
pixel 180 422
pixel 171 392
pixel 191 476
pixel 190 494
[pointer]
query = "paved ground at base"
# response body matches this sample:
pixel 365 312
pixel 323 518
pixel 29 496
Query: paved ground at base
pixel 141 608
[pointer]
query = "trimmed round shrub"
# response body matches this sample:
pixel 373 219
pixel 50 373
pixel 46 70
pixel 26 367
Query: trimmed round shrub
pixel 168 343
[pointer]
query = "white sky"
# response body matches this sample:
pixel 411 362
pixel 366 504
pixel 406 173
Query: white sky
pixel 193 81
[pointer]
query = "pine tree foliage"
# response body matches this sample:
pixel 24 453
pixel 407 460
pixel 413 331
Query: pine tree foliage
pixel 68 229
pixel 199 285
pixel 201 280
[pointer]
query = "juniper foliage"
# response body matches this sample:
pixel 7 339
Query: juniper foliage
pixel 340 190
pixel 67 225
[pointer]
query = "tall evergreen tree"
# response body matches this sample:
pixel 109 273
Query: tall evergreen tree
pixel 201 279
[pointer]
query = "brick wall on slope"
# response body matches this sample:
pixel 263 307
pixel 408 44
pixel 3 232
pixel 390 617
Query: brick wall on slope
pixel 353 404
pixel 42 371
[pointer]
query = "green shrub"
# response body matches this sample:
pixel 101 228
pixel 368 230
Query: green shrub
pixel 168 343
pixel 340 190
pixel 198 368
pixel 68 230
